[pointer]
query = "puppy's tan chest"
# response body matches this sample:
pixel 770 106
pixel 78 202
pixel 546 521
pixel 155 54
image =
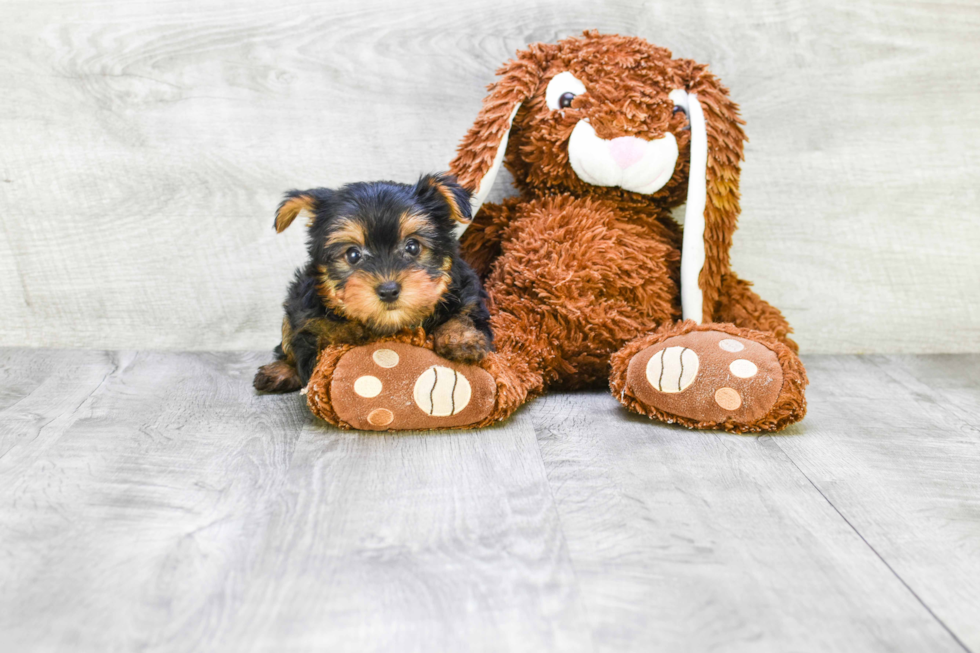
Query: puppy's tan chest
pixel 331 332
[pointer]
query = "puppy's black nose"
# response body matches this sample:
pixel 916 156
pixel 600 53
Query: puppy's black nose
pixel 388 291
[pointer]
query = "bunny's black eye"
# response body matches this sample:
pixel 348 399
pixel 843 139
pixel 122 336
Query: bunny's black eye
pixel 353 256
pixel 562 89
pixel 412 247
pixel 679 109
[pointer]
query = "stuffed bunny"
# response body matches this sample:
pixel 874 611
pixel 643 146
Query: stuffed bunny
pixel 591 282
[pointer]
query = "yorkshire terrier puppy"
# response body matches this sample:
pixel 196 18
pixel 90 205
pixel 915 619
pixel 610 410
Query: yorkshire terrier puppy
pixel 383 257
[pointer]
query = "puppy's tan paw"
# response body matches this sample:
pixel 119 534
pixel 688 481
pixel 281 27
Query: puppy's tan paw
pixel 458 340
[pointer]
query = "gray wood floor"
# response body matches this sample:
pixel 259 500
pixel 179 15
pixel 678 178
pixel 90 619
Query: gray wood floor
pixel 150 501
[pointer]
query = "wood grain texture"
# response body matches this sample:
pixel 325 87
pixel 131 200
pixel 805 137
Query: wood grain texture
pixel 145 145
pixel 894 444
pixel 702 541
pixel 153 502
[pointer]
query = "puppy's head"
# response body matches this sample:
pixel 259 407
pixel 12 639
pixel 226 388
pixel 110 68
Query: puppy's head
pixel 383 250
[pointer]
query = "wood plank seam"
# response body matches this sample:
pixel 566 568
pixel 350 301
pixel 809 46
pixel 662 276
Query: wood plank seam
pixel 561 527
pixel 847 521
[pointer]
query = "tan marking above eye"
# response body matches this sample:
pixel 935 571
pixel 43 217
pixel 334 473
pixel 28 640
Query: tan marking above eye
pixel 412 224
pixel 348 232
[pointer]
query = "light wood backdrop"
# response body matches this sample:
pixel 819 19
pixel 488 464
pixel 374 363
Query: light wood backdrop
pixel 144 145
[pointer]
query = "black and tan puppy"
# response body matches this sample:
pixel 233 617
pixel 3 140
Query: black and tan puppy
pixel 383 257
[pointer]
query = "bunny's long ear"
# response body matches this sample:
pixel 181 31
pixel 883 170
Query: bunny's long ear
pixel 481 152
pixel 712 210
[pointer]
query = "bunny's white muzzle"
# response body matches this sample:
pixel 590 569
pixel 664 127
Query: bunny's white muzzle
pixel 631 163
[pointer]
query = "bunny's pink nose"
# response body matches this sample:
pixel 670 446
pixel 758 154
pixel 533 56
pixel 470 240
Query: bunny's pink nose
pixel 627 150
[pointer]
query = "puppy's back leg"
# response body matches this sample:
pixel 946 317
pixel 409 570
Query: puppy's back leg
pixel 280 376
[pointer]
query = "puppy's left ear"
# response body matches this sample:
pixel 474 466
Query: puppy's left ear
pixel 446 189
pixel 298 201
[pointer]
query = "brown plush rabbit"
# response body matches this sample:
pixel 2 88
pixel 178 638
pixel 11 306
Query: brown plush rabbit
pixel 590 280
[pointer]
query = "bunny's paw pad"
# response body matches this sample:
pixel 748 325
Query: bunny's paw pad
pixel 396 386
pixel 708 376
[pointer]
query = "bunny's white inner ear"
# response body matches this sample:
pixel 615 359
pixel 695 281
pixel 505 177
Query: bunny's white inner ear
pixel 486 184
pixel 692 251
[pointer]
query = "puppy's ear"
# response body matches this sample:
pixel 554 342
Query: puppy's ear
pixel 297 201
pixel 446 189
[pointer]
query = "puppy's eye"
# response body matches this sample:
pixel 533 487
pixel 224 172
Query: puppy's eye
pixel 353 256
pixel 680 109
pixel 562 89
pixel 412 247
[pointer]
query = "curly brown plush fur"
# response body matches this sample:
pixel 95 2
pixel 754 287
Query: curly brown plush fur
pixel 581 277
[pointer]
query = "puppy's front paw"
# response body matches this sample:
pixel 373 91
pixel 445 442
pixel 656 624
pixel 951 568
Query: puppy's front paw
pixel 277 377
pixel 458 340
